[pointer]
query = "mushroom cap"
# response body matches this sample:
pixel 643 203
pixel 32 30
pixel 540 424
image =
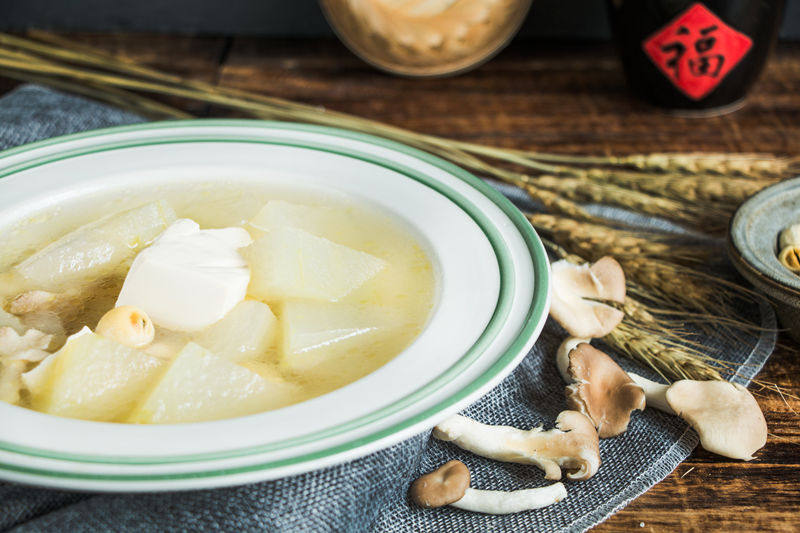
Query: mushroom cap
pixel 443 486
pixel 580 439
pixel 562 356
pixel 725 415
pixel 601 390
pixel 574 289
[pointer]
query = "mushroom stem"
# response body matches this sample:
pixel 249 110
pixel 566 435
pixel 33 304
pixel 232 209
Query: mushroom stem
pixel 502 502
pixel 655 393
pixel 562 356
pixel 572 444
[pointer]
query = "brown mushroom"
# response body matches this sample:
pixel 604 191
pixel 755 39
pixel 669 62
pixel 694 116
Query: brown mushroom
pixel 598 387
pixel 572 444
pixel 725 415
pixel 575 289
pixel 449 485
pixel 443 486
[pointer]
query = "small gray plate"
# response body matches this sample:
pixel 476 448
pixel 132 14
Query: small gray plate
pixel 753 247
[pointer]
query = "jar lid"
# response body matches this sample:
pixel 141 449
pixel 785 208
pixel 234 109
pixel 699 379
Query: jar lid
pixel 423 38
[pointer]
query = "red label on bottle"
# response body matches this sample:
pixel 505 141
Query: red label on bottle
pixel 696 50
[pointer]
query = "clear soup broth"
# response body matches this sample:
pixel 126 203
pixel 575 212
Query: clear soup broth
pixel 328 290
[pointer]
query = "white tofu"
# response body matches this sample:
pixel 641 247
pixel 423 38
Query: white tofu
pixel 291 263
pixel 189 278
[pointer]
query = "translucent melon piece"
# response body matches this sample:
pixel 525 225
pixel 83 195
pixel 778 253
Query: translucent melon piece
pixel 246 332
pixel 312 331
pixel 37 378
pixel 292 263
pixel 322 221
pixel 200 386
pixel 94 378
pixel 96 249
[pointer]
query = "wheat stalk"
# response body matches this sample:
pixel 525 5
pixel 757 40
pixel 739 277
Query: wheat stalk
pixel 558 182
pixel 579 189
pixel 643 337
pixel 700 189
pixel 594 240
pixel 670 361
pixel 654 265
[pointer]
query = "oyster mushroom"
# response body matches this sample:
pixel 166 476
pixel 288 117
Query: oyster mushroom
pixel 443 486
pixel 571 445
pixel 30 346
pixel 16 352
pixel 725 415
pixel 575 289
pixel 598 387
pixel 449 485
pixel 127 325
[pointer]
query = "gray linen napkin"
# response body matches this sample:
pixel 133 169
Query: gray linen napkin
pixel 369 494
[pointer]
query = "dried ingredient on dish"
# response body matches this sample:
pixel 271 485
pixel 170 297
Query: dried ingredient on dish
pixel 789 248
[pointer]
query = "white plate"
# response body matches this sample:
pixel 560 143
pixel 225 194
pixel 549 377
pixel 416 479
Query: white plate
pixel 492 301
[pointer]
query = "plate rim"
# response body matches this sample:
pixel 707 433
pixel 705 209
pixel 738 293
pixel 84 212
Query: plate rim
pixel 505 361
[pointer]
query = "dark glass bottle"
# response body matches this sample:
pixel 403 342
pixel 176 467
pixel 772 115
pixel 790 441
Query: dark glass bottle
pixel 695 57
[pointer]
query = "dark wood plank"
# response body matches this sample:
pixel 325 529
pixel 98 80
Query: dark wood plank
pixel 709 493
pixel 195 57
pixel 569 99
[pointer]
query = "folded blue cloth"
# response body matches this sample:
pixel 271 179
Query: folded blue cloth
pixel 369 494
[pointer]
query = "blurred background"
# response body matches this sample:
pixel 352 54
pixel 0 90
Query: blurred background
pixel 574 20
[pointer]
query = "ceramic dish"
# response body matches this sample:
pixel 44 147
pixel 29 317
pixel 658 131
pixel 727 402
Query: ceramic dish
pixel 753 247
pixel 491 304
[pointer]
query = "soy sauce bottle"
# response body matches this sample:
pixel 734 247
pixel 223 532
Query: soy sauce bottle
pixel 695 58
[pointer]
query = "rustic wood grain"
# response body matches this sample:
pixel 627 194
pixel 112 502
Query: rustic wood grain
pixel 570 99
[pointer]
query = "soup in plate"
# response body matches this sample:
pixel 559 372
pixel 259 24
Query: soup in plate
pixel 221 301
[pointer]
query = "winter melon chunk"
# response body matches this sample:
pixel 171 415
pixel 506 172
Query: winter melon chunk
pixel 95 378
pixel 96 249
pixel 291 263
pixel 322 221
pixel 313 331
pixel 246 332
pixel 200 386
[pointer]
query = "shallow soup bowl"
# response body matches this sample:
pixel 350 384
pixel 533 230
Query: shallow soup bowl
pixel 490 305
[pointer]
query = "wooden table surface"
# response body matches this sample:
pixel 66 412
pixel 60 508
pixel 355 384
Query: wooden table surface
pixel 570 99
